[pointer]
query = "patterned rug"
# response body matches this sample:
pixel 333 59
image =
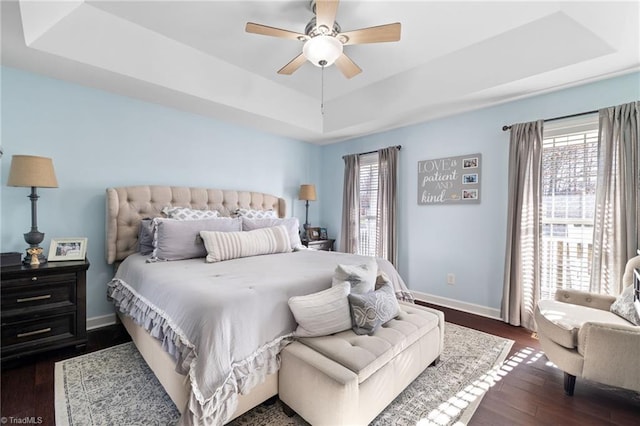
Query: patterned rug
pixel 115 387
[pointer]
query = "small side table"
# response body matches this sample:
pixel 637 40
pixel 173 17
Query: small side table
pixel 324 245
pixel 43 307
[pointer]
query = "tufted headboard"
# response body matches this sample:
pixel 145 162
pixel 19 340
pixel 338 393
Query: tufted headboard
pixel 128 205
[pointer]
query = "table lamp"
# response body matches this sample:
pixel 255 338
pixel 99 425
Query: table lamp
pixel 34 172
pixel 307 193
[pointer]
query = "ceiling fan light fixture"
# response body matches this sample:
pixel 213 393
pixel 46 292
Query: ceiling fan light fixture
pixel 322 50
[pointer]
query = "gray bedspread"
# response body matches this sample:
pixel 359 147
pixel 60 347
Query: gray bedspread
pixel 225 322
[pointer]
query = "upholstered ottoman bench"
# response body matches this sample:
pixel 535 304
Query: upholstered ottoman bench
pixel 348 379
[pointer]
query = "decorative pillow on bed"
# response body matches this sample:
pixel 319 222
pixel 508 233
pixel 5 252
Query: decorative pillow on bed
pixel 381 279
pixel 232 245
pixel 370 310
pixel 323 313
pixel 145 236
pixel 361 277
pixel 180 239
pixel 186 213
pixel 291 223
pixel 256 214
pixel 623 306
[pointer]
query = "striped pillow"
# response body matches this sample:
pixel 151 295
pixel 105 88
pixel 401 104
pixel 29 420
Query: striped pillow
pixel 232 245
pixel 322 313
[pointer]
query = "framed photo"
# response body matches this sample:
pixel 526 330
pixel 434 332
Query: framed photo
pixel 323 234
pixel 470 163
pixel 469 194
pixel 470 178
pixel 313 234
pixel 67 249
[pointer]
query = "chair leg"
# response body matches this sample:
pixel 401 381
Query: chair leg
pixel 569 384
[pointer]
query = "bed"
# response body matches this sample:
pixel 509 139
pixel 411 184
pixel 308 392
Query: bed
pixel 211 332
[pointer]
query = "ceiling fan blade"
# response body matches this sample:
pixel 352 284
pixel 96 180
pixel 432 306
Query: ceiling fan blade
pixel 273 32
pixel 347 66
pixel 326 12
pixel 379 34
pixel 293 65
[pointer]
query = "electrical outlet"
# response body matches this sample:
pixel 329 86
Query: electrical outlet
pixel 451 278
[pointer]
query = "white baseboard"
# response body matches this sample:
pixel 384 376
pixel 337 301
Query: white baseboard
pixel 471 308
pixel 101 321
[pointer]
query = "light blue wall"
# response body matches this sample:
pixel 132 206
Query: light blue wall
pixel 468 241
pixel 99 140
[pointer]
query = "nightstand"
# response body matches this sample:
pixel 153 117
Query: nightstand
pixel 324 245
pixel 43 307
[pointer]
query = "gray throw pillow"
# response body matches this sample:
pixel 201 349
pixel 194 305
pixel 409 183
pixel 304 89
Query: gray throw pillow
pixel 145 236
pixel 623 306
pixel 180 239
pixel 370 310
pixel 291 223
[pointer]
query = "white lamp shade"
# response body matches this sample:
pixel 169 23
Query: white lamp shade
pixel 322 48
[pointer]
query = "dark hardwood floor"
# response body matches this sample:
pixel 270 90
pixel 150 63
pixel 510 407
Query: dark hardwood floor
pixel 27 386
pixel 529 393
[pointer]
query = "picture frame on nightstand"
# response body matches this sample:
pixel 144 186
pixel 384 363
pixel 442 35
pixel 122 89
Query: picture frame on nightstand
pixel 323 234
pixel 62 249
pixel 313 233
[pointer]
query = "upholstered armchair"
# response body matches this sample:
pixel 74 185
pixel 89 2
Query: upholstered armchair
pixel 580 335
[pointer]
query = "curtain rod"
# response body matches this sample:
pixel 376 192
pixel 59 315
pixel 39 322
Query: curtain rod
pixel 505 128
pixel 371 152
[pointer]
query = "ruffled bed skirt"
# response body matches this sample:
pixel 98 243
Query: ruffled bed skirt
pixel 244 375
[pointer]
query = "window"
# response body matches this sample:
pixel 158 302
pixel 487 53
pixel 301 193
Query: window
pixel 368 182
pixel 569 174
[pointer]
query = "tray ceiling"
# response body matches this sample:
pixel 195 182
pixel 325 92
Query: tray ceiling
pixel 196 56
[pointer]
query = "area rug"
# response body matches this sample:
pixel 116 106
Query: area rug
pixel 115 387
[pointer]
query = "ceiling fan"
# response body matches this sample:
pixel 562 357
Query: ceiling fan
pixel 324 40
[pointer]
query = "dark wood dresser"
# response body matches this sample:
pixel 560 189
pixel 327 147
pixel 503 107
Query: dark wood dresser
pixel 43 307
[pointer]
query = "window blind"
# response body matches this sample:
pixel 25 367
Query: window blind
pixel 368 204
pixel 569 174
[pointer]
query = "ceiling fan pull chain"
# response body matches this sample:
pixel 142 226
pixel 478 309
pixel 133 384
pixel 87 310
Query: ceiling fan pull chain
pixel 323 63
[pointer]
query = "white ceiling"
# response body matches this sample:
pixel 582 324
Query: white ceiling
pixel 196 56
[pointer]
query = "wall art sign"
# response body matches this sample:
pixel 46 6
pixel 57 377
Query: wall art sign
pixel 450 180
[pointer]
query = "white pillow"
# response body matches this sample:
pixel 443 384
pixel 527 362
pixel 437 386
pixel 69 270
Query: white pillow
pixel 256 214
pixel 291 223
pixel 232 245
pixel 323 313
pixel 186 213
pixel 362 278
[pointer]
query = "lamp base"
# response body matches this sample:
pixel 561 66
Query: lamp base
pixel 304 235
pixel 34 256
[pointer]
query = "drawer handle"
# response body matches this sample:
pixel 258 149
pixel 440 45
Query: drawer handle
pixel 32 333
pixel 31 299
